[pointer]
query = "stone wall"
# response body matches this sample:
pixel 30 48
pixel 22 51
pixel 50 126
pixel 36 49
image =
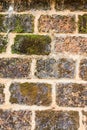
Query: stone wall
pixel 43 65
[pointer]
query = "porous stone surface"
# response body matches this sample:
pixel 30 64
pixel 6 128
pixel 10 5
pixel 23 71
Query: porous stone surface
pixel 15 120
pixel 83 69
pixel 71 44
pixel 2 95
pixel 19 23
pixel 14 68
pixel 51 68
pixel 31 93
pixel 71 5
pixel 57 120
pixel 71 95
pixel 32 44
pixel 82 23
pixel 84 119
pixel 31 4
pixel 56 23
pixel 4 5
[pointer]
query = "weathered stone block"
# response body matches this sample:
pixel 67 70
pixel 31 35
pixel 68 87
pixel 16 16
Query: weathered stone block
pixel 71 44
pixel 31 4
pixel 14 68
pixel 30 93
pixel 84 119
pixel 15 120
pixel 17 23
pixel 32 44
pixel 71 5
pixel 51 68
pixel 83 69
pixel 57 23
pixel 3 43
pixel 57 120
pixel 2 95
pixel 4 5
pixel 71 95
pixel 82 23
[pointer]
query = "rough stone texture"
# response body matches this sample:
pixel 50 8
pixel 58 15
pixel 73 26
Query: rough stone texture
pixel 84 120
pixel 22 5
pixel 57 23
pixel 3 43
pixel 71 44
pixel 32 44
pixel 57 120
pixel 17 23
pixel 50 68
pixel 71 95
pixel 15 120
pixel 2 95
pixel 83 69
pixel 4 5
pixel 30 93
pixel 14 68
pixel 82 23
pixel 71 5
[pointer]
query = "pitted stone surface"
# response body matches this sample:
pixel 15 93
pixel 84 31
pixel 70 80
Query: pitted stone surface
pixel 57 24
pixel 14 68
pixel 50 68
pixel 71 95
pixel 71 44
pixel 2 95
pixel 57 120
pixel 15 120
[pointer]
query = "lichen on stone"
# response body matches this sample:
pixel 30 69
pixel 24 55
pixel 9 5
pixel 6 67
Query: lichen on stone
pixel 30 93
pixel 32 44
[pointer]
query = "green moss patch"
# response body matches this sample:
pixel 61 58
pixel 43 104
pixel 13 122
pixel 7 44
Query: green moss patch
pixel 82 23
pixel 3 44
pixel 32 44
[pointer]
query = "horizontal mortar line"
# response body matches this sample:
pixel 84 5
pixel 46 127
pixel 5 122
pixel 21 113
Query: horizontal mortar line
pixel 34 107
pixel 68 34
pixel 54 55
pixel 49 12
pixel 50 81
pixel 50 34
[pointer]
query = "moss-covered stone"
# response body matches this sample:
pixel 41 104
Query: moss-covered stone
pixel 31 4
pixel 83 69
pixel 71 5
pixel 57 23
pixel 2 95
pixel 4 5
pixel 82 23
pixel 15 120
pixel 71 95
pixel 30 93
pixel 3 43
pixel 17 23
pixel 57 120
pixel 32 44
pixel 14 68
pixel 51 68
